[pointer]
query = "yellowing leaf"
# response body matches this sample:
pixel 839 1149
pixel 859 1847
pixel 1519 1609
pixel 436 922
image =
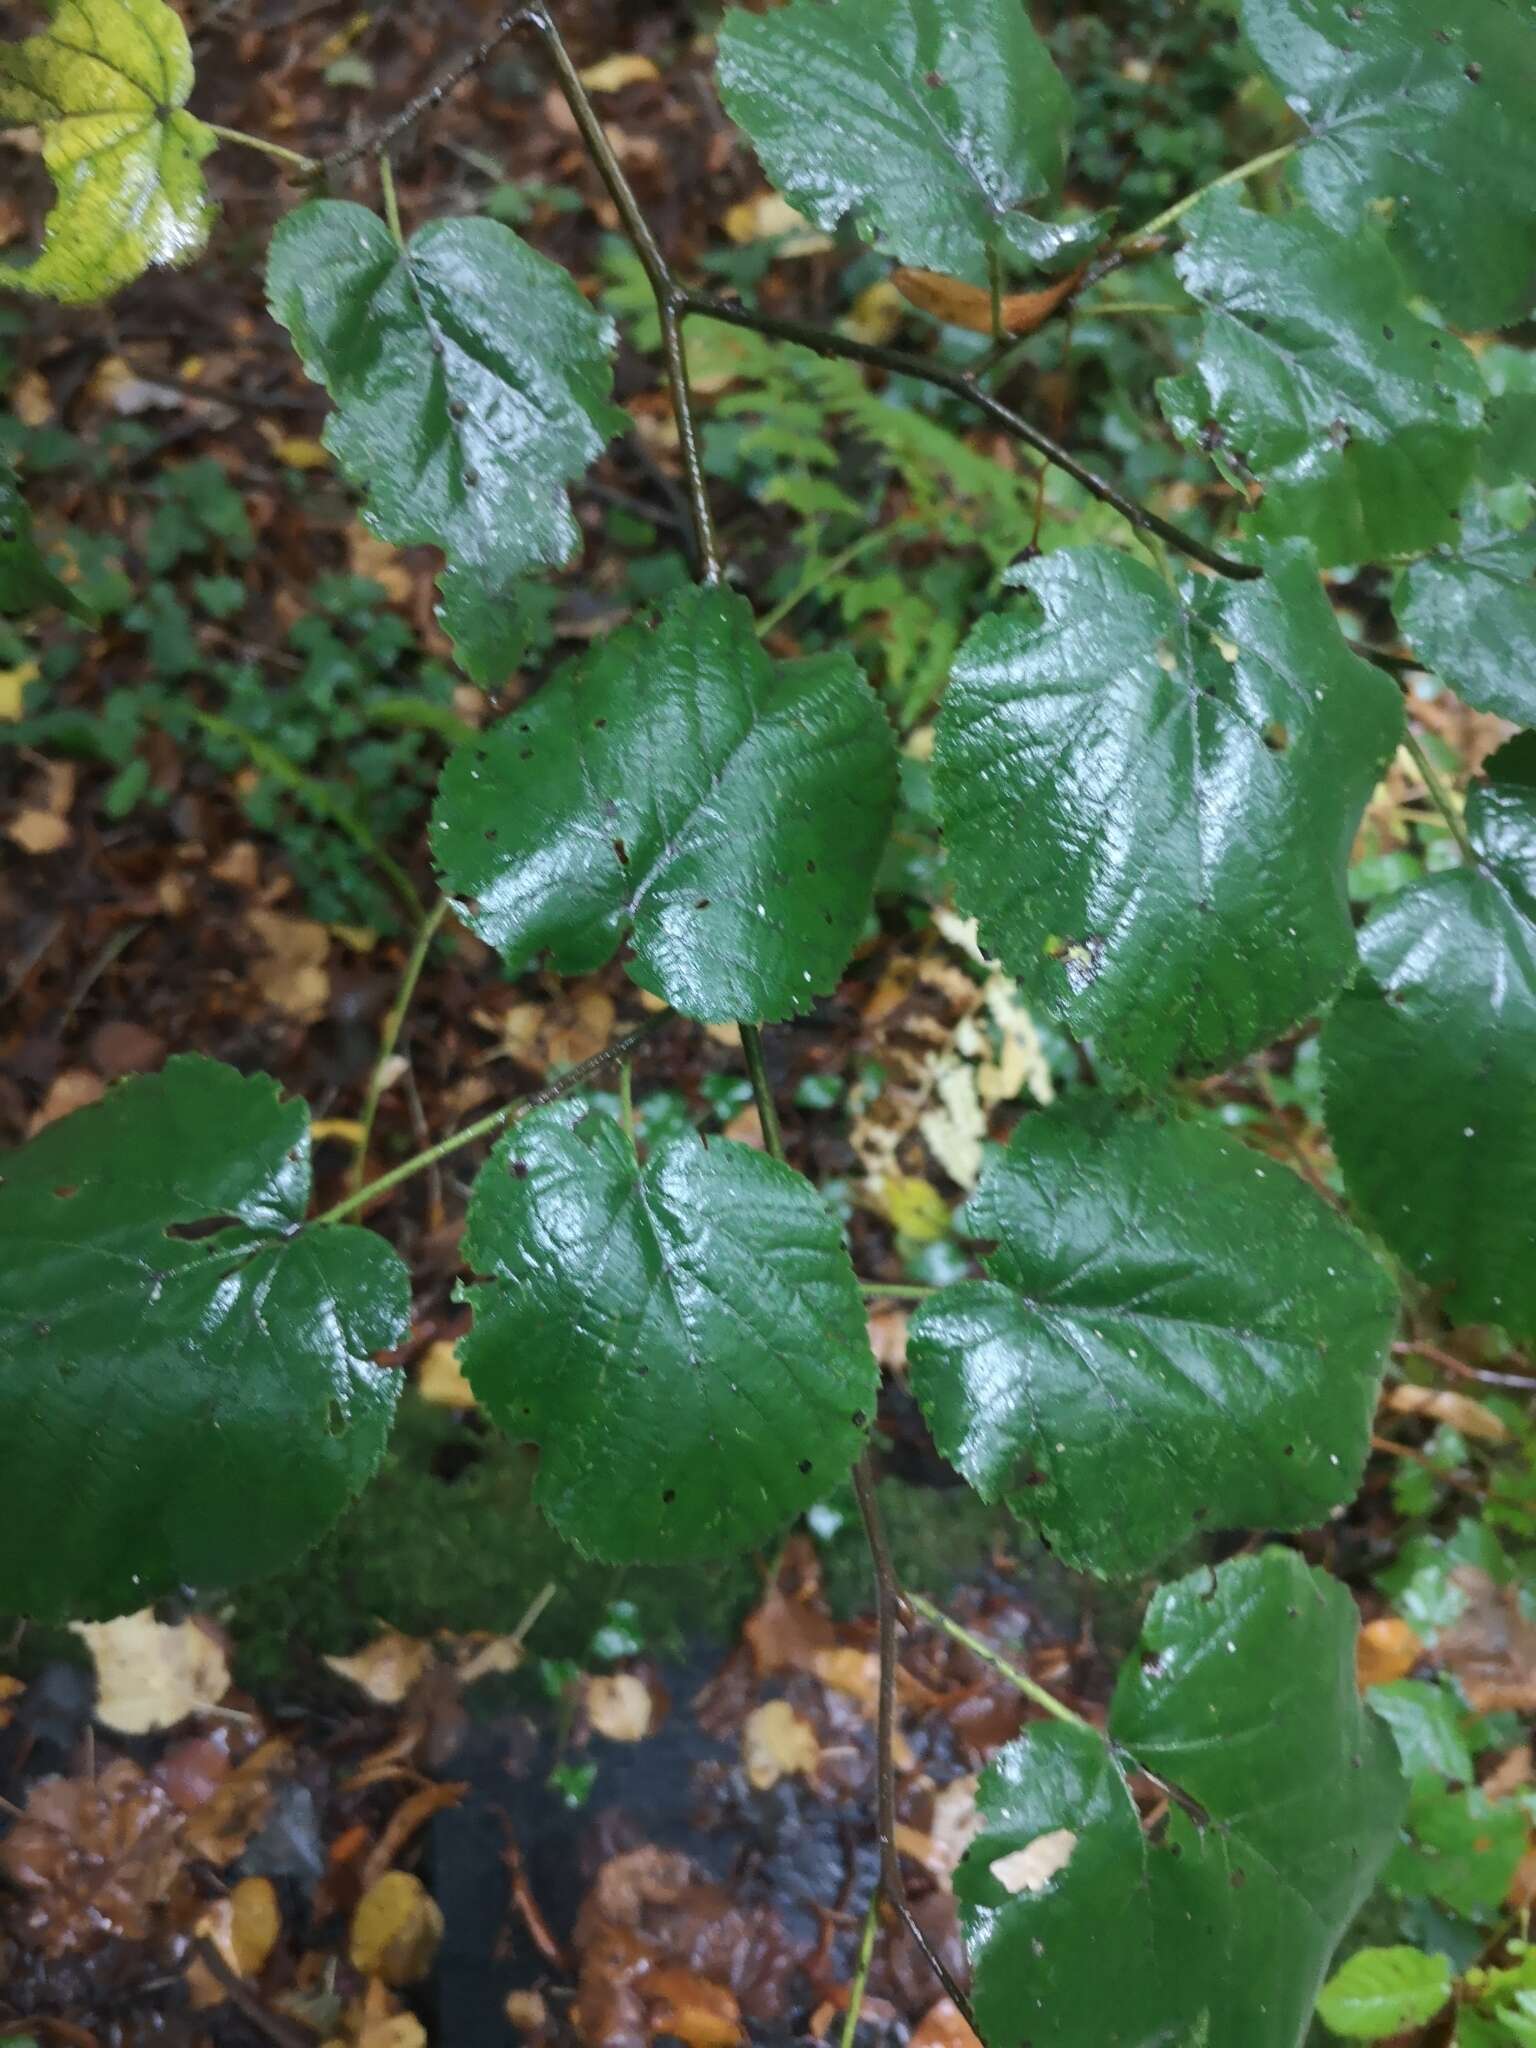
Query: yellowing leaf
pixel 396 1930
pixel 440 1378
pixel 876 314
pixel 151 1674
pixel 386 1668
pixel 298 451
pixel 106 83
pixel 768 217
pixel 776 1743
pixel 620 1706
pixel 614 73
pixel 346 1127
pixel 914 1208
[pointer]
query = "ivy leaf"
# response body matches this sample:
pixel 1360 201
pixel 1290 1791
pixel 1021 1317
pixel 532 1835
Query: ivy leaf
pixel 106 83
pixel 685 1340
pixel 186 1369
pixel 1315 379
pixel 27 584
pixel 726 810
pixel 1428 1059
pixel 1470 612
pixel 931 122
pixel 1175 1333
pixel 1407 104
pixel 1149 800
pixel 1224 1919
pixel 471 381
pixel 1382 1991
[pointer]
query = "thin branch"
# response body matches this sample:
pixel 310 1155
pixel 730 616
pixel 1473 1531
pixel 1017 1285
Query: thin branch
pixel 489 1125
pixel 979 1647
pixel 762 1091
pixel 283 2032
pixel 391 199
pixel 1440 794
pixel 1238 176
pixel 1449 1362
pixel 861 1970
pixel 893 1883
pixel 379 139
pixel 394 1024
pixel 886 1290
pixel 825 342
pixel 291 157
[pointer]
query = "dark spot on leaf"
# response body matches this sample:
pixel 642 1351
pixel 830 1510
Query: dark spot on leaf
pixel 934 78
pixel 622 851
pixel 1238 1879
pixel 335 1419
pixel 1389 334
pixel 205 1226
pixel 471 478
pixel 859 1418
pixel 1035 1479
pixel 491 832
pixel 519 1169
pixel 526 754
pixel 599 724
pixel 1289 1451
pixel 702 904
pixel 805 1465
pixel 669 1496
pixel 1276 738
pixel 64 1194
pixel 457 409
pixel 41 1330
pixel 1475 73
pixel 810 867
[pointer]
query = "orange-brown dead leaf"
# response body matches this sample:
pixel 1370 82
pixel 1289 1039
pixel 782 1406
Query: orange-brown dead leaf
pixel 1387 1650
pixel 1443 1404
pixel 1491 1646
pixel 970 305
pixel 689 2008
pixel 944 2026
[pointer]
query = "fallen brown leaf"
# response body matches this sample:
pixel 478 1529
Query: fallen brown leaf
pixel 385 1669
pixel 1491 1646
pixel 396 1930
pixel 1457 1411
pixel 777 1743
pixel 970 305
pixel 151 1674
pixel 1387 1650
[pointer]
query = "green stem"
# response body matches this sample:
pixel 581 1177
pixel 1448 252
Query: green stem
pixel 391 199
pixel 880 1290
pixel 1440 794
pixel 821 571
pixel 488 1125
pixel 275 150
pixel 825 342
pixel 394 1024
pixel 1180 207
pixel 1123 309
pixel 627 1104
pixel 978 1647
pixel 762 1092
pixel 861 1971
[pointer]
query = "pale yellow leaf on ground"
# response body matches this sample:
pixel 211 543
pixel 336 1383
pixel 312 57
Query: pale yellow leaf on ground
pixel 612 74
pixel 777 1743
pixel 1031 1868
pixel 440 1378
pixel 765 217
pixel 1387 1650
pixel 396 1930
pixel 152 1674
pixel 1457 1411
pixel 386 1668
pixel 619 1706
pixel 31 400
pixel 291 974
pixel 875 315
pixel 913 1207
pixel 956 1824
pixel 13 689
pixel 74 1088
pixel 376 559
pixel 39 832
pixel 955 1128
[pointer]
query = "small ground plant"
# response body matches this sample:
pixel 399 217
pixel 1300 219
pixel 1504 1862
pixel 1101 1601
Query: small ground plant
pixel 1147 782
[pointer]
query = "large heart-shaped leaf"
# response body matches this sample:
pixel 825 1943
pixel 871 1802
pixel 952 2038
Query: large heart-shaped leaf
pixel 1429 1059
pixel 1220 1919
pixel 1470 612
pixel 106 84
pixel 471 381
pixel 1176 1333
pixel 189 1391
pixel 1314 378
pixel 27 584
pixel 685 1340
pixel 1150 799
pixel 1419 114
pixel 727 810
pixel 931 122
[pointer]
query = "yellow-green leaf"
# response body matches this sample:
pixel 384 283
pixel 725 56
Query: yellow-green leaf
pixel 107 84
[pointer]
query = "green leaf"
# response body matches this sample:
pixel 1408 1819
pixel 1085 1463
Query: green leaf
pixel 1175 1333
pixel 1382 1991
pixel 931 122
pixel 188 1373
pixel 1218 1926
pixel 1419 114
pixel 1464 1849
pixel 1426 1726
pixel 1470 612
pixel 1314 377
pixel 684 1340
pixel 1428 1060
pixel 725 810
pixel 27 584
pixel 471 381
pixel 106 84
pixel 488 628
pixel 1149 800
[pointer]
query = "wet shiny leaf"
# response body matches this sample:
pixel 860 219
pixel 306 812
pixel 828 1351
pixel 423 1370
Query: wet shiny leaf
pixel 1419 114
pixel 1313 377
pixel 725 811
pixel 684 1340
pixel 1469 612
pixel 1149 800
pixel 1428 1060
pixel 106 84
pixel 1223 1919
pixel 471 381
pixel 1176 1334
pixel 184 1369
pixel 930 122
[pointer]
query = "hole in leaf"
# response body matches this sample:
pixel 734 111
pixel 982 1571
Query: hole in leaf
pixel 669 1496
pixel 805 1465
pixel 1276 738
pixel 519 1169
pixel 702 904
pixel 205 1226
pixel 622 851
